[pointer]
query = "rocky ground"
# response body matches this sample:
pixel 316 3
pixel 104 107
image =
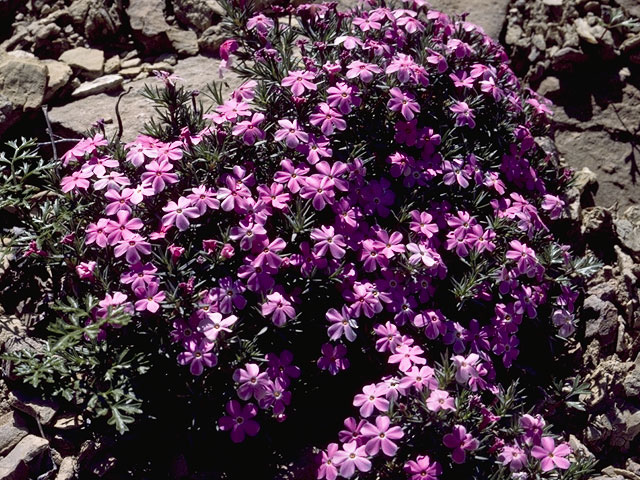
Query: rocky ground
pixel 78 56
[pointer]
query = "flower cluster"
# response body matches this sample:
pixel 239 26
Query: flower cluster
pixel 392 201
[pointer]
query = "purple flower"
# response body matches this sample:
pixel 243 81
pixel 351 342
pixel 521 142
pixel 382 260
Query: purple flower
pixel 464 114
pixel 299 81
pixel 327 119
pixel 328 468
pixel 319 188
pixel 260 24
pixel 351 457
pixel 422 468
pixel 198 356
pixel 252 381
pixel 440 400
pixel 461 442
pixel 239 421
pixel 158 174
pixel 372 396
pixel 179 213
pixel 402 102
pixel 214 324
pixel 150 298
pixel 131 247
pixel 279 308
pixel 406 356
pixel 363 71
pixel 343 97
pixel 514 456
pixel 249 129
pixel 77 180
pixel 290 133
pixel 381 436
pixel 551 456
pixel 332 358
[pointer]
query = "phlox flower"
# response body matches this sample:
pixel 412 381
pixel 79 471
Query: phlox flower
pixel 240 421
pixel 77 180
pixel 440 400
pixel 461 442
pixel 363 71
pixel 367 22
pixel 140 276
pixel 85 270
pixel 318 188
pixel 352 431
pixel 198 355
pixel 118 201
pixel 327 119
pixel 274 196
pixel 246 91
pixel 291 133
pixel 299 81
pixel 464 114
pixel 328 241
pixel 513 456
pixel 406 356
pixel 363 301
pixel 131 247
pixel 111 181
pixel 315 148
pixel 122 227
pixel 275 397
pixel 268 253
pixel 402 65
pixel 389 337
pixel 149 298
pixel 252 382
pixel 328 469
pixel 249 130
pixel 97 233
pixel 381 436
pixel 279 308
pixel 372 397
pixel 158 174
pixel 348 42
pixel 553 205
pixel 214 324
pixel 203 198
pixel 165 152
pixel 178 214
pixel 524 256
pixel 419 378
pixel 422 468
pixel 421 222
pixel 350 458
pixel 403 102
pixel 341 324
pixel 261 24
pixel 465 367
pixel 551 456
pixel 281 367
pixel 343 97
pixel 332 358
pixel 420 254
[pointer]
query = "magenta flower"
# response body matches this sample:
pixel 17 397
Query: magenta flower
pixel 239 421
pixel 77 180
pixel 198 355
pixel 461 442
pixel 118 201
pixel 465 367
pixel 252 381
pixel 327 240
pixel 319 188
pixel 405 103
pixel 290 133
pixel 140 276
pixel 149 298
pixel 422 468
pixel 214 324
pixel 249 129
pixel 419 378
pixel 350 458
pixel 328 469
pixel 327 119
pixel 554 205
pixel 406 356
pixel 158 174
pixel 440 400
pixel 381 436
pixel 341 324
pixel 111 181
pixel 523 255
pixel 514 456
pixel 343 97
pixel 85 270
pixel 315 148
pixel 122 228
pixel 464 114
pixel 299 81
pixel 403 66
pixel 131 247
pixel 179 213
pixel 97 232
pixel 260 24
pixel 363 71
pixel 372 396
pixel 279 308
pixel 203 198
pixel 551 456
pixel 420 254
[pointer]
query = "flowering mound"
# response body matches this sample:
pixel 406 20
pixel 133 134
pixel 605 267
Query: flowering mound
pixel 371 205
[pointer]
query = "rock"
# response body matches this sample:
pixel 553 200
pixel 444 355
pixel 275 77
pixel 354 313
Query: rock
pixel 112 65
pixel 104 20
pixel 552 3
pixel 579 448
pixel 23 83
pixel 169 58
pixel 549 87
pixel 628 229
pixel 58 76
pixel 631 383
pixel 584 31
pixel 87 62
pixel 626 427
pixel 130 72
pixel 631 6
pixel 161 66
pixel 597 220
pixel 631 44
pixel 586 181
pixel 68 469
pixel 198 14
pixel 42 410
pixel 566 57
pixel 27 453
pixel 184 42
pixel 130 63
pixel 68 421
pixel 211 39
pixel 13 428
pixel 514 32
pixel 602 320
pixel 108 83
pixel 148 24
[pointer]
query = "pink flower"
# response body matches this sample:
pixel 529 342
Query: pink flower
pixel 77 180
pixel 132 246
pixel 249 129
pixel 198 356
pixel 465 367
pixel 260 24
pixel 553 205
pixel 343 97
pixel 227 251
pixel 327 240
pixel 252 381
pixel 403 66
pixel 350 458
pixel 422 468
pixel 279 308
pixel 363 71
pixel 405 103
pixel 214 324
pixel 299 81
pixel 239 421
pixel 440 400
pixel 85 270
pixel 460 441
pixel 514 456
pixel 341 324
pixel 158 174
pixel 381 436
pixel 523 255
pixel 372 396
pixel 464 114
pixel 328 119
pixel 290 133
pixel 97 232
pixel 419 378
pixel 203 198
pixel 123 227
pixel 150 298
pixel 320 189
pixel 179 213
pixel 328 468
pixel 406 356
pixel 551 456
pixel 420 253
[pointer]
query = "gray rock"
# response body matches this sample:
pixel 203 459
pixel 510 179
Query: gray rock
pixel 23 81
pixel 514 32
pixel 183 42
pixel 169 58
pixel 597 220
pixel 68 422
pixel 584 31
pixel 628 228
pixel 552 3
pixel 130 72
pixel 211 39
pixel 87 62
pixel 42 410
pixel 605 324
pixel 566 57
pixel 112 65
pixel 631 6
pixel 579 448
pixel 631 44
pixel 626 427
pixel 108 83
pixel 58 76
pixel 198 14
pixel 13 428
pixel 549 87
pixel 130 63
pixel 631 383
pixel 68 469
pixel 148 24
pixel 16 465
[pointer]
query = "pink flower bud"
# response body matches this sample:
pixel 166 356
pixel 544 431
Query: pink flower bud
pixel 227 251
pixel 175 251
pixel 210 245
pixel 85 270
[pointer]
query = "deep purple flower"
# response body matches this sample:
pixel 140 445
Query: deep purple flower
pixel 461 442
pixel 198 355
pixel 240 421
pixel 403 102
